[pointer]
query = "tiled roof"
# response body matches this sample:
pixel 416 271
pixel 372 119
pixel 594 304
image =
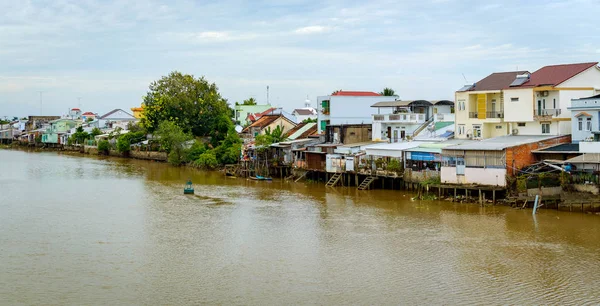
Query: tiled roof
pixel 309 129
pixel 303 111
pixel 263 122
pixel 356 93
pixel 556 74
pixel 256 116
pixel 496 81
pixel 88 114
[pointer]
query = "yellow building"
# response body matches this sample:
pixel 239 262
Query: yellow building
pixel 137 111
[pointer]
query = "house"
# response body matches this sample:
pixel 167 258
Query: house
pixel 479 107
pixel 292 151
pixel 38 122
pixel 74 114
pixel 316 156
pixel 348 133
pixel 88 116
pixel 114 118
pixel 345 108
pixel 242 112
pixel 538 104
pixel 302 130
pixel 302 114
pixel 397 120
pixel 585 123
pixel 491 161
pixel 58 131
pixel 345 158
pixel 137 111
pixel 267 122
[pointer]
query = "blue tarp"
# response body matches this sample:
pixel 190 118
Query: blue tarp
pixel 424 156
pixel 447 134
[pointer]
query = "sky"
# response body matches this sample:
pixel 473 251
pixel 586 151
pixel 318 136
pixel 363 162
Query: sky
pixel 103 54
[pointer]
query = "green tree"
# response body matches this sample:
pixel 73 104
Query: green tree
pixel 79 137
pixel 95 132
pixel 207 160
pixel 193 104
pixel 269 137
pixel 123 144
pixel 387 92
pixel 103 147
pixel 172 139
pixel 228 152
pixel 309 120
pixel 197 149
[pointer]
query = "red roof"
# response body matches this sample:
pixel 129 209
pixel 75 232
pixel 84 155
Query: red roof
pixel 556 74
pixel 75 109
pixel 496 81
pixel 88 114
pixel 356 93
pixel 256 116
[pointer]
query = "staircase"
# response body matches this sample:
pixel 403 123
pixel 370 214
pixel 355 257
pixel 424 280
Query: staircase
pixel 301 176
pixel 422 127
pixel 367 182
pixel 334 180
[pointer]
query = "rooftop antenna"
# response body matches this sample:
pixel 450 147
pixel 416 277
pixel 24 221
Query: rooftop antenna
pixel 464 77
pixel 79 102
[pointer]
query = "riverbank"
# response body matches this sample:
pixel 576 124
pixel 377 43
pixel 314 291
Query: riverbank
pixel 562 201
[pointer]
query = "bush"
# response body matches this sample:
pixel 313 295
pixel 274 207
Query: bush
pixel 123 144
pixel 103 146
pixel 207 160
pixel 394 165
pixel 197 149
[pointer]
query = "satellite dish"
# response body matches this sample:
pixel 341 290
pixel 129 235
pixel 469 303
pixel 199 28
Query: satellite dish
pixel 238 128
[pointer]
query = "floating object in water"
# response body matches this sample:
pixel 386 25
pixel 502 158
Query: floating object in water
pixel 189 189
pixel 260 178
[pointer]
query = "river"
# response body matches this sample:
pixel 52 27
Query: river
pixel 93 230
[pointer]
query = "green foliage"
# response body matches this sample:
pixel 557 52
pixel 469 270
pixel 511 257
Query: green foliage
pixel 103 146
pixel 133 127
pixel 123 144
pixel 309 120
pixel 79 137
pixel 207 160
pixel 197 149
pixel 171 136
pixel 431 181
pixel 249 101
pixel 228 152
pixel 387 92
pixel 95 132
pixel 193 104
pixel 269 137
pixel 394 165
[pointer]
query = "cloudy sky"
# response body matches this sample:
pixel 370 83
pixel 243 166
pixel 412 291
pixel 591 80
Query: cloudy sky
pixel 107 52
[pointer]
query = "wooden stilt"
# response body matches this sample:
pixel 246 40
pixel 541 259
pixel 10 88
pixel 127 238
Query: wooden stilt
pixel 494 196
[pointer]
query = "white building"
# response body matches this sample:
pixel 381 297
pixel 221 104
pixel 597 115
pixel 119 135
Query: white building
pixel 347 107
pixel 521 103
pixel 585 123
pixel 539 104
pixel 116 118
pixel 396 120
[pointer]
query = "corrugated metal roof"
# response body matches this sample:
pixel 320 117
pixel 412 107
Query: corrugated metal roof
pixel 587 158
pixel 303 129
pixel 499 143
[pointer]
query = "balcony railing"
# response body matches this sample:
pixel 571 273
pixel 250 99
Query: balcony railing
pixel 473 115
pixel 494 114
pixel 547 112
pixel 407 118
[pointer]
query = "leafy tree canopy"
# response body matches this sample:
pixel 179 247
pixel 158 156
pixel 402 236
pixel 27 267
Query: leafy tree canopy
pixel 387 92
pixel 193 104
pixel 249 101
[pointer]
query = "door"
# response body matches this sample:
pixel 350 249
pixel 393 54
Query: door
pixel 493 110
pixel 389 132
pixel 460 166
pixel 539 107
pixel 395 135
pixel 402 134
pixel 349 163
pixel 481 100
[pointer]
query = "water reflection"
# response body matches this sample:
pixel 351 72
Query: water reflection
pixel 100 230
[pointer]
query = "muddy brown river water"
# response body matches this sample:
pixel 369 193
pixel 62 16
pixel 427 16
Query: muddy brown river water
pixel 90 231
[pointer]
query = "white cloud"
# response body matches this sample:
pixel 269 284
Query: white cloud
pixel 312 30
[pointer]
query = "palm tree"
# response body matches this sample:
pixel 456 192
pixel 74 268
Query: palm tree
pixel 388 92
pixel 250 101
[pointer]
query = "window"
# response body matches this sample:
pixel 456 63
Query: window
pixel 477 131
pixel 588 125
pixel 498 127
pixel 514 99
pixel 580 124
pixel 461 129
pixel 521 124
pixel 545 128
pixel 554 104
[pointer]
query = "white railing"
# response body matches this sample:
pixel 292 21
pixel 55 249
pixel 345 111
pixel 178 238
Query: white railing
pixel 407 118
pixel 589 147
pixel 443 117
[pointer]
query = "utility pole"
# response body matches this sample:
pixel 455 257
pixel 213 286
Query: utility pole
pixel 79 102
pixel 267 94
pixel 41 102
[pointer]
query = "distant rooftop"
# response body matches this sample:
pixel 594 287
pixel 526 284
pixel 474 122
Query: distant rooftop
pixel 494 81
pixel 356 93
pixel 500 143
pixel 556 74
pixel 561 148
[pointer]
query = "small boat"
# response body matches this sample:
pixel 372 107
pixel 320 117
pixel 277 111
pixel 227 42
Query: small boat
pixel 260 178
pixel 188 189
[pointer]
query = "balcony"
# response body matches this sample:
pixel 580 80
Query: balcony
pixel 546 114
pixel 400 118
pixel 473 115
pixel 496 115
